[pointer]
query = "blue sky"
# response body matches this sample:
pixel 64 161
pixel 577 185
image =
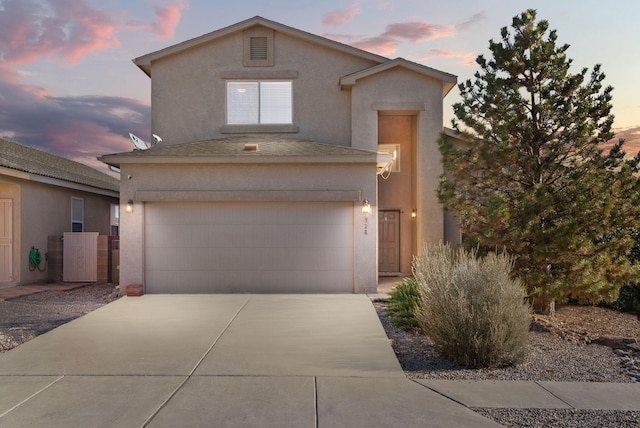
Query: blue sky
pixel 68 86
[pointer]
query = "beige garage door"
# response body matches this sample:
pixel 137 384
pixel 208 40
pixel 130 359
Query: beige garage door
pixel 249 247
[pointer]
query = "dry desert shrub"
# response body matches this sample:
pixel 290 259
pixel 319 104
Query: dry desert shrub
pixel 472 309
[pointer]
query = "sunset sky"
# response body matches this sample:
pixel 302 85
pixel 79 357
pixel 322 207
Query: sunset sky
pixel 68 86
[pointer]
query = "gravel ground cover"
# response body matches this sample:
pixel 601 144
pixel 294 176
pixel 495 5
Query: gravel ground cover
pixel 555 354
pixel 23 318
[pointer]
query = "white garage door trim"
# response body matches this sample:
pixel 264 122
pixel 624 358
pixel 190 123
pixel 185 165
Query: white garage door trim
pixel 249 247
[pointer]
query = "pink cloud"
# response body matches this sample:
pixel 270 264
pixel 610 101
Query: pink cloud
pixel 30 30
pixel 467 58
pixel 167 20
pixel 341 16
pixel 418 31
pixel 69 29
pixel 381 45
pixel 79 128
pixel 631 133
pixel 396 33
pixel 631 137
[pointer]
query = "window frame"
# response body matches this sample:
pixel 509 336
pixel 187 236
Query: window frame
pixel 258 105
pixel 115 220
pixel 75 221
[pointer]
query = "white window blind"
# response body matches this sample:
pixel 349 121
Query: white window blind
pixel 242 102
pixel 275 102
pixel 263 102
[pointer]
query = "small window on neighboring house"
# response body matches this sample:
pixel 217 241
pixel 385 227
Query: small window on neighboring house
pixel 77 215
pixel 115 219
pixel 259 102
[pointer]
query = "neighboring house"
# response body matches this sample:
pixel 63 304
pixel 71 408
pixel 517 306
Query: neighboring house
pixel 44 195
pixel 274 140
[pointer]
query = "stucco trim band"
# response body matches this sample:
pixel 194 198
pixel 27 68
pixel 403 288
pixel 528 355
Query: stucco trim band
pixel 248 195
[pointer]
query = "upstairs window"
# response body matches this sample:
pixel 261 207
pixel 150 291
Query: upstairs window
pixel 259 103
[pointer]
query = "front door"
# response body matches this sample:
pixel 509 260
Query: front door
pixel 389 241
pixel 6 249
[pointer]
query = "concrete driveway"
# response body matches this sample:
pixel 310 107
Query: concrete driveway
pixel 220 360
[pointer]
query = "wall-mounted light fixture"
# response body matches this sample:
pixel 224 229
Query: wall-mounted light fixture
pixel 414 214
pixel 366 207
pixel 129 207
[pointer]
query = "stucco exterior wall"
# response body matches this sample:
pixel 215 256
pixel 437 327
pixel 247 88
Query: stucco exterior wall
pixel 395 90
pixel 250 177
pixel 41 210
pixel 189 89
pixel 397 191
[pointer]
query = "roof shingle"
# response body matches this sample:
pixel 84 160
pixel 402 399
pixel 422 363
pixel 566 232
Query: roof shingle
pixel 33 161
pixel 267 145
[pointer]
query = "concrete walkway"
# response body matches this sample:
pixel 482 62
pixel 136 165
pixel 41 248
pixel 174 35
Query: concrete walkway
pixel 249 360
pixel 25 290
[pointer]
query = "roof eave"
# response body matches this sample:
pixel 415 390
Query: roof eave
pixel 448 80
pixel 23 175
pixel 144 62
pixel 118 160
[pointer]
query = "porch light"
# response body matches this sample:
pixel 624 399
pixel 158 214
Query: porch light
pixel 366 207
pixel 414 214
pixel 129 207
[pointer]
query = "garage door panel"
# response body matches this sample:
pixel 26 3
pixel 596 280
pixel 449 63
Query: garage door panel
pixel 249 281
pixel 238 259
pixel 244 236
pixel 248 247
pixel 244 213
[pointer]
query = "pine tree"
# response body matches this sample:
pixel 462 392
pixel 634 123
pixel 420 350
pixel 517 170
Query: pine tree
pixel 533 178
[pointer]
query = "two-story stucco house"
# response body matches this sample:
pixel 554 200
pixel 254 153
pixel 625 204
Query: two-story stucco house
pixel 270 175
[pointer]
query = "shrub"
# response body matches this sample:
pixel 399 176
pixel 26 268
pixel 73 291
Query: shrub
pixel 629 300
pixel 402 304
pixel 472 309
pixel 629 295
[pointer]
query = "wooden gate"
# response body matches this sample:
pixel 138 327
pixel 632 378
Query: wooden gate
pixel 80 253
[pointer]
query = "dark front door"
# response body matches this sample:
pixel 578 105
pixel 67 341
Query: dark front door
pixel 389 241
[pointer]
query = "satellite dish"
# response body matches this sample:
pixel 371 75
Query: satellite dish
pixel 138 143
pixel 141 145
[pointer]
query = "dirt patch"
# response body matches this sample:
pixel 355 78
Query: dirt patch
pixel 588 323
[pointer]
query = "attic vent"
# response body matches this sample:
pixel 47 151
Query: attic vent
pixel 258 48
pixel 250 148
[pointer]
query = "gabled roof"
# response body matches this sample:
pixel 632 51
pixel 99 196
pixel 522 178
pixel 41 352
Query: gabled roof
pixel 245 149
pixel 144 62
pixel 38 163
pixel 448 80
